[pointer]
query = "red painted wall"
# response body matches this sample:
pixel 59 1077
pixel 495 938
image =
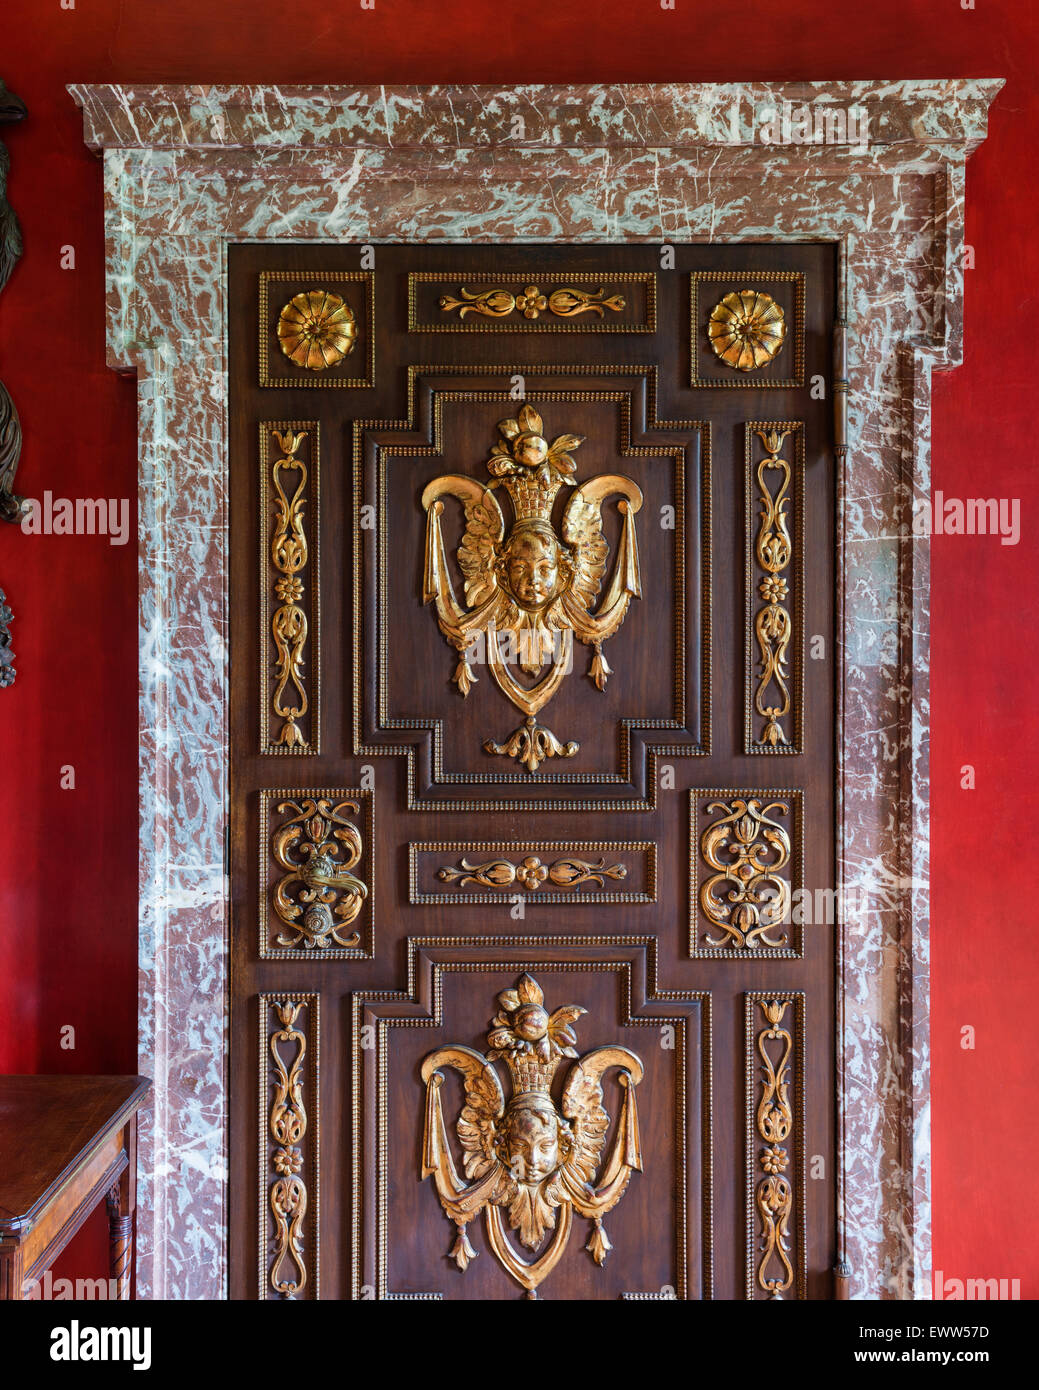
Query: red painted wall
pixel 68 858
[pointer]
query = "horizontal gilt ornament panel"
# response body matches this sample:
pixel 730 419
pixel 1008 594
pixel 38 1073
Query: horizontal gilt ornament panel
pixel 774 587
pixel 290 587
pixel 611 1006
pixel 747 329
pixel 590 722
pixel 289 1265
pixel 317 329
pixel 777 1190
pixel 532 302
pixel 549 872
pixel 317 874
pixel 746 873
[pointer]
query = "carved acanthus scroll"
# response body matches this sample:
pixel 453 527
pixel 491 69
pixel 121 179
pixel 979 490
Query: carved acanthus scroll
pixel 747 897
pixel 499 303
pixel 531 873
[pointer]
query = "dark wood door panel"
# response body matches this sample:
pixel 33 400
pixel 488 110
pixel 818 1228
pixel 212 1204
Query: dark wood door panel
pixel 390 878
pixel 669 1193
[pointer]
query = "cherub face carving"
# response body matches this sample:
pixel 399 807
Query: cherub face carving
pixel 532 568
pixel 532 1140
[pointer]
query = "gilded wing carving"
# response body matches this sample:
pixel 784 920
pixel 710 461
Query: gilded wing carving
pixel 484 1105
pixel 583 1107
pixel 582 531
pixel 478 549
pixel 477 552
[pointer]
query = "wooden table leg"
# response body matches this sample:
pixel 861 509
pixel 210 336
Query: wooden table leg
pixel 122 1199
pixel 120 1242
pixel 10 1270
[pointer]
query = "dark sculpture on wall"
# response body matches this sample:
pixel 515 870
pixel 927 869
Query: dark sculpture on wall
pixel 12 108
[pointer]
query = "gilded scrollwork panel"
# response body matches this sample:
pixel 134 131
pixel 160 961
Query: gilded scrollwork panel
pixel 746 855
pixel 317 329
pixel 549 872
pixel 290 609
pixel 539 302
pixel 747 329
pixel 289 1173
pixel 317 898
pixel 777 1193
pixel 774 636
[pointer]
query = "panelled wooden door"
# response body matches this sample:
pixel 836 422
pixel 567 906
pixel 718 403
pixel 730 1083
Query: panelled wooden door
pixel 532 771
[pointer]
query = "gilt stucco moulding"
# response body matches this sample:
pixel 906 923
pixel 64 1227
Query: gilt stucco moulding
pixel 189 170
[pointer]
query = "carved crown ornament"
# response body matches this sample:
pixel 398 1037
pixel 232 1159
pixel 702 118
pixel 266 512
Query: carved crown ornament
pixel 529 591
pixel 531 1161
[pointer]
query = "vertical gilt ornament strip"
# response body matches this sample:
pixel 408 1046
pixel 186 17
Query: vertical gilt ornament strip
pixel 289 1173
pixel 776 1196
pixel 774 587
pixel 290 613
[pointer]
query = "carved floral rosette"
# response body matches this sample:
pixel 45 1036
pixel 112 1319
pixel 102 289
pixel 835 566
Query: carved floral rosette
pixel 747 329
pixel 317 329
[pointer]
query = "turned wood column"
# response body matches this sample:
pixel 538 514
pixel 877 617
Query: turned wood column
pixel 121 1201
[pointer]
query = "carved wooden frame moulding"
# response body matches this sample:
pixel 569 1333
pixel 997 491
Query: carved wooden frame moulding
pixel 188 170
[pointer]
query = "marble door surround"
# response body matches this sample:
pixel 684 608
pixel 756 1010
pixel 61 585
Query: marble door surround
pixel 188 170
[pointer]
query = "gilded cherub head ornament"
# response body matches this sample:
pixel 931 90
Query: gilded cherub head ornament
pixel 527 1155
pixel 530 590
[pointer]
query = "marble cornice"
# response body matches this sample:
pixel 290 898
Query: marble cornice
pixel 680 115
